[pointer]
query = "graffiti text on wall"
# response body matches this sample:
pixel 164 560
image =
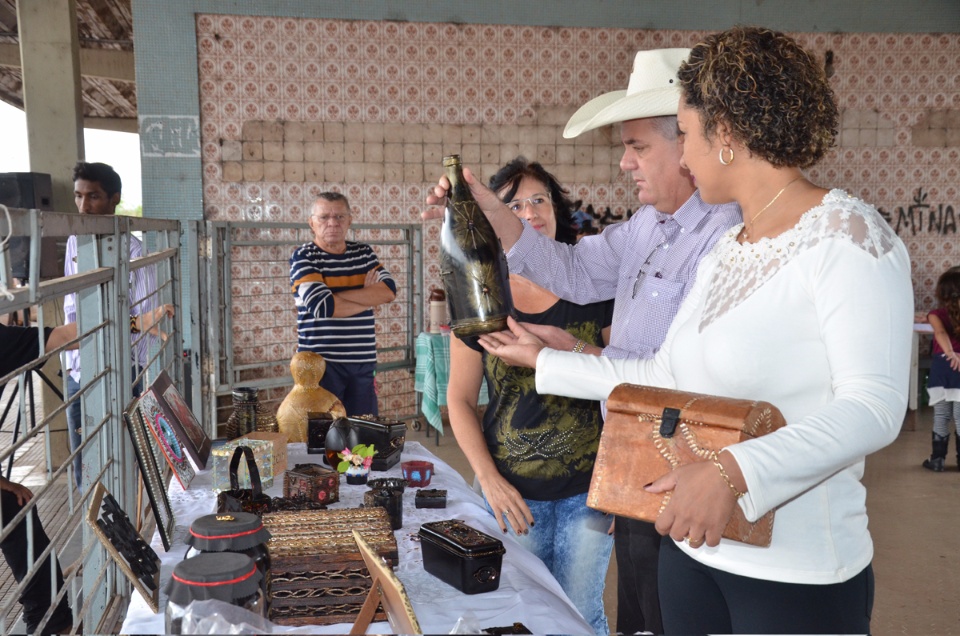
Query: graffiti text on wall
pixel 922 217
pixel 170 136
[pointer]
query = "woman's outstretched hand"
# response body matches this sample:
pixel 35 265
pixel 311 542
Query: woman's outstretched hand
pixel 517 347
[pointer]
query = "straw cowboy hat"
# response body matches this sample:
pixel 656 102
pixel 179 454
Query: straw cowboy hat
pixel 653 91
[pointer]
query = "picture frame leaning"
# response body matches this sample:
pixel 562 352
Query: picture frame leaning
pixel 181 418
pixel 152 476
pixel 169 445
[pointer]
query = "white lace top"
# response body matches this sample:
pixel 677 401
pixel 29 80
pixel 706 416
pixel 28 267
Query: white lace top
pixel 818 322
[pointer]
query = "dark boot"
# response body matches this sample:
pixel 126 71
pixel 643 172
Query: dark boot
pixel 939 454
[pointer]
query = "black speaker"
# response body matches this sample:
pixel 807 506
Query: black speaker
pixel 31 190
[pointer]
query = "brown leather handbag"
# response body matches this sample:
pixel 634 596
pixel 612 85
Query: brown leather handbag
pixel 650 431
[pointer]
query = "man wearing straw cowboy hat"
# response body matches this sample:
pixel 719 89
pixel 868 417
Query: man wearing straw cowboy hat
pixel 646 264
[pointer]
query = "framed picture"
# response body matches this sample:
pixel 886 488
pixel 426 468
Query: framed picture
pixel 120 539
pixel 152 479
pixel 158 423
pixel 386 591
pixel 181 418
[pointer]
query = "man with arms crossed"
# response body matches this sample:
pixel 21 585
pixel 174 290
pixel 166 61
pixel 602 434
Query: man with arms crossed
pixel 336 284
pixel 647 265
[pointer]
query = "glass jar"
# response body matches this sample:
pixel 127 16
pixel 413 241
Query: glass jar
pixel 240 532
pixel 230 577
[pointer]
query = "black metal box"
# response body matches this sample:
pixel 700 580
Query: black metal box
pixel 386 435
pixel 462 556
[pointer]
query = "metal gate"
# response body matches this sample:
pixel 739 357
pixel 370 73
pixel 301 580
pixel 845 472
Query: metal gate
pixel 37 449
pixel 250 318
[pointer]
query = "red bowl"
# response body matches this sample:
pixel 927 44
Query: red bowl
pixel 417 473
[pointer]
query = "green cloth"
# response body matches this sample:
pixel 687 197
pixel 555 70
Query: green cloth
pixel 432 351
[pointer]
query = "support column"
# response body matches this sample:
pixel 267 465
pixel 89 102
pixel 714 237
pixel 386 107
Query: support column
pixel 50 62
pixel 50 59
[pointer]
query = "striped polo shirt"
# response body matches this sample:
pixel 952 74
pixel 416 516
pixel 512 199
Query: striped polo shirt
pixel 315 275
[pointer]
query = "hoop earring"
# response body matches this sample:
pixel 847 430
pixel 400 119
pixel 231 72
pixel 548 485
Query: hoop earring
pixel 728 162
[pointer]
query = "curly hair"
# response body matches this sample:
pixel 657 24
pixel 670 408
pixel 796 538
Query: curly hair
pixel 510 175
pixel 767 89
pixel 948 296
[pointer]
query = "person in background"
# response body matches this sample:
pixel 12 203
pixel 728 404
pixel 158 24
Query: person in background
pixel 943 385
pixel 18 347
pixel 788 308
pixel 646 265
pixel 586 229
pixel 96 191
pixel 336 285
pixel 581 216
pixel 533 455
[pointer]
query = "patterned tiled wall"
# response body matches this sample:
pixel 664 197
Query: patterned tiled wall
pixel 290 107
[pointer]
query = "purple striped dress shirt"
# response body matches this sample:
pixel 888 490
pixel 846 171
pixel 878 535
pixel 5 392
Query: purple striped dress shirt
pixel 646 264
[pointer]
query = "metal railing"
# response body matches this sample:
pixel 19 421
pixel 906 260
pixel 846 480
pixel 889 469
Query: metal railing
pixel 95 586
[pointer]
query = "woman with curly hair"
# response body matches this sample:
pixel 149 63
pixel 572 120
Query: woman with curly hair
pixel 808 305
pixel 533 454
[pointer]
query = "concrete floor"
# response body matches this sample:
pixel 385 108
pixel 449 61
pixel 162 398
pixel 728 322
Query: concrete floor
pixel 914 519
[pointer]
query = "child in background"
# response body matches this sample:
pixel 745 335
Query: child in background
pixel 944 383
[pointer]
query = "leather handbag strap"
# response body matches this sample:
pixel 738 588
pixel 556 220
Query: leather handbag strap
pixel 252 470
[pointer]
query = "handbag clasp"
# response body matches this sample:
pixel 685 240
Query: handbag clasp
pixel 669 421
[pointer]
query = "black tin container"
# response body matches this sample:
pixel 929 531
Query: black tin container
pixel 387 436
pixel 462 556
pixel 317 426
pixel 240 532
pixel 432 498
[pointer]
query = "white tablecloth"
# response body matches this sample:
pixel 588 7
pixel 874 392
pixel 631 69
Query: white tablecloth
pixel 528 593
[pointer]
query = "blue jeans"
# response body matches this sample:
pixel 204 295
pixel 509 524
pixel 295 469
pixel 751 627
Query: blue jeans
pixel 353 385
pixel 572 541
pixel 73 425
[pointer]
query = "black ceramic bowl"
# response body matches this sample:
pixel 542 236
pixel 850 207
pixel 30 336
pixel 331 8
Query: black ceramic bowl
pixel 388 483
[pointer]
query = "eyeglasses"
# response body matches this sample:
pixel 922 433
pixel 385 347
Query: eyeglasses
pixel 323 219
pixel 536 202
pixel 643 272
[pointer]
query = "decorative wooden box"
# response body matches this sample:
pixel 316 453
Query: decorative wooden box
pixel 313 482
pixel 262 454
pixel 279 441
pixel 318 573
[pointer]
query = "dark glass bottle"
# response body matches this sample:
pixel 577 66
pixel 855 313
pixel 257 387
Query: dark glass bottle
pixel 472 263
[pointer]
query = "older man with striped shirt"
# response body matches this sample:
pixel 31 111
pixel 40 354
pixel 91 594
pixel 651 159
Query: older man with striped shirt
pixel 336 285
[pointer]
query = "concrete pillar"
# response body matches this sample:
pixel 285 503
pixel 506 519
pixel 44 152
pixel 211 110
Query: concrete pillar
pixel 50 58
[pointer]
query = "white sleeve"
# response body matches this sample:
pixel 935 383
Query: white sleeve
pixel 864 304
pixel 594 377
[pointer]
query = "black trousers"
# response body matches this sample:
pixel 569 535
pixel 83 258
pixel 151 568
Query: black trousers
pixel 637 546
pixel 697 599
pixel 36 597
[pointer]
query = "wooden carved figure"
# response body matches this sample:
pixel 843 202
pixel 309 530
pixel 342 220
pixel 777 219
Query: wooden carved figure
pixel 306 396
